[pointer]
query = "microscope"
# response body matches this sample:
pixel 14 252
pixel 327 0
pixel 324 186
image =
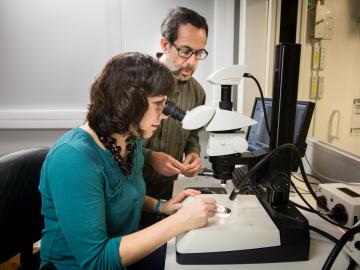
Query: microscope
pixel 225 146
pixel 260 228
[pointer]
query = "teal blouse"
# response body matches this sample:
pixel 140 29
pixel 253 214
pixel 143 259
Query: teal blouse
pixel 88 203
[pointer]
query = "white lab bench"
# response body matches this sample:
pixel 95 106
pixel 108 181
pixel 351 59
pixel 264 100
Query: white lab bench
pixel 320 246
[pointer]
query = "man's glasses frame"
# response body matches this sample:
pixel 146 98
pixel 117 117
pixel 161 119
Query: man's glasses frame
pixel 186 52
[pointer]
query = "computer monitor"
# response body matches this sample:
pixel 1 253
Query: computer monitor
pixel 257 135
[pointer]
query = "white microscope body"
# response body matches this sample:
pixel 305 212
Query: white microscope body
pixel 219 120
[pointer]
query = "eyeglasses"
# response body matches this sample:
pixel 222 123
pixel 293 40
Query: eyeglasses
pixel 187 52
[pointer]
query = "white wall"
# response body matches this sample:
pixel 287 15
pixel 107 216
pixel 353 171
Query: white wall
pixel 256 49
pixel 51 52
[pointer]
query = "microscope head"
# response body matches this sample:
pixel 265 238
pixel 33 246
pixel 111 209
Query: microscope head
pixel 229 75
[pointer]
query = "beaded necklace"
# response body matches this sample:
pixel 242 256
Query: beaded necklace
pixel 125 164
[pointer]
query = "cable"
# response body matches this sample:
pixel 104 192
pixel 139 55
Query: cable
pixel 307 209
pixel 351 265
pixel 314 210
pixel 269 156
pixel 248 75
pixel 305 191
pixel 301 180
pixel 323 233
pixel 339 245
pixel 301 207
pixel 313 176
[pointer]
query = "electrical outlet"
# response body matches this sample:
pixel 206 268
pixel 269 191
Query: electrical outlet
pixel 313 87
pixel 316 56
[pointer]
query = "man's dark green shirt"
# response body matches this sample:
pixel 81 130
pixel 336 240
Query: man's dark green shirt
pixel 170 137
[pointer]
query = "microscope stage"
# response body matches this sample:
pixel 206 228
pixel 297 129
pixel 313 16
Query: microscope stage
pixel 247 226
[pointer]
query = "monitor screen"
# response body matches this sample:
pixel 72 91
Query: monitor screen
pixel 257 135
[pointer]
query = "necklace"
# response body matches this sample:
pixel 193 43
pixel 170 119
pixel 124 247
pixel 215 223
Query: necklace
pixel 125 164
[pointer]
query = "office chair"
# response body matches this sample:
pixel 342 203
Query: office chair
pixel 21 221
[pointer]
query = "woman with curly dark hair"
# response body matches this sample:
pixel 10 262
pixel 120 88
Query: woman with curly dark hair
pixel 91 183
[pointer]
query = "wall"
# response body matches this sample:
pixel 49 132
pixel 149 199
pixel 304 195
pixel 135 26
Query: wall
pixel 253 42
pixel 341 75
pixel 51 52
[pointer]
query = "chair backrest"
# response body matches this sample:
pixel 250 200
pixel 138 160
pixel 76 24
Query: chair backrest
pixel 21 221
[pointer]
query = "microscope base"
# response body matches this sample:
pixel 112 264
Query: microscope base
pixel 237 239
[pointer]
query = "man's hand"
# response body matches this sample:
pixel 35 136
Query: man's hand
pixel 175 203
pixel 165 164
pixel 192 163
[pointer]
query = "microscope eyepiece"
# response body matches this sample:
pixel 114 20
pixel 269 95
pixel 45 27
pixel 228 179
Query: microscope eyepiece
pixel 174 111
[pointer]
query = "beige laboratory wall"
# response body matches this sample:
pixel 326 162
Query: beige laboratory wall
pixel 341 76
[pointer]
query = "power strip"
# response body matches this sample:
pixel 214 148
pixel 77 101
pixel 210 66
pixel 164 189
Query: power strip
pixel 342 201
pixel 353 247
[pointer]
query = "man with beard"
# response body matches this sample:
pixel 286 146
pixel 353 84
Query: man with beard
pixel 173 150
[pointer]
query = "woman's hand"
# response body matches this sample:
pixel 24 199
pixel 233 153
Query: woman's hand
pixel 175 203
pixel 196 214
